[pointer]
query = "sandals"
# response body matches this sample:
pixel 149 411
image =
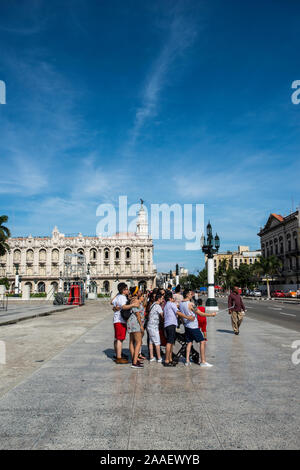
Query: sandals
pixel 140 356
pixel 169 364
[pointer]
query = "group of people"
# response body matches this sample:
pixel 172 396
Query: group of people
pixel 158 313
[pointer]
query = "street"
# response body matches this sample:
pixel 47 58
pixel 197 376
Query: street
pixel 276 312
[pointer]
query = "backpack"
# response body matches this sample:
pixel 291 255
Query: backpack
pixel 125 314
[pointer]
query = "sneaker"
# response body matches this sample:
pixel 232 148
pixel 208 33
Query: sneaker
pixel 138 365
pixel 236 332
pixel 169 364
pixel 121 360
pixel 159 360
pixel 187 363
pixel 205 364
pixel 152 360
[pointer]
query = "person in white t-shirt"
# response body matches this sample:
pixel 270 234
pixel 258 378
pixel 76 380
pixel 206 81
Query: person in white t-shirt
pixel 120 302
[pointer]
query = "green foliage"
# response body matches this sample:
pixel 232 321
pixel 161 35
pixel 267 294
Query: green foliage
pixel 103 295
pixel 194 282
pixel 39 294
pixel 4 235
pixel 4 281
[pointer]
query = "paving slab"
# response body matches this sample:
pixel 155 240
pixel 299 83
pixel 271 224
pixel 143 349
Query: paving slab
pixel 81 399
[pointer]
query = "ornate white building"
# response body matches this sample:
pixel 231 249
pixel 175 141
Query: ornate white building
pixel 281 237
pixel 124 257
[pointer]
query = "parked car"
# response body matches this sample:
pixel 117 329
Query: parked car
pixel 257 293
pixel 291 293
pixel 277 293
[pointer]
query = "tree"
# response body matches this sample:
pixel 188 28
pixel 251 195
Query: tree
pixel 4 281
pixel 269 267
pixel 4 235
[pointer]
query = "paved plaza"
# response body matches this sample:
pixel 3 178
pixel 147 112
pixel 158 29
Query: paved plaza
pixel 80 399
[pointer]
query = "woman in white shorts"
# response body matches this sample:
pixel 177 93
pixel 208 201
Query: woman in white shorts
pixel 153 327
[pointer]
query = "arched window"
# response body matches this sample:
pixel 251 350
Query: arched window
pixel 128 253
pixel 17 256
pixel 289 242
pixel 93 255
pixel 117 253
pixel 29 256
pixel 55 256
pixel 42 256
pixel 295 240
pixel 106 254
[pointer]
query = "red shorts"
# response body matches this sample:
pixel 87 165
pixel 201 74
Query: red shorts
pixel 120 331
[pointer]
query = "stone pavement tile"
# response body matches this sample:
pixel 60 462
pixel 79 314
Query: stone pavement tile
pixel 82 443
pixel 177 430
pixel 39 404
pixel 256 431
pixel 110 428
pixel 23 426
pixel 152 404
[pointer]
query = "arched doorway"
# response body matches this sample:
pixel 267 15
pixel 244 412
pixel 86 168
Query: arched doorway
pixel 41 287
pixel 106 287
pixel 143 286
pixel 30 285
pixel 54 284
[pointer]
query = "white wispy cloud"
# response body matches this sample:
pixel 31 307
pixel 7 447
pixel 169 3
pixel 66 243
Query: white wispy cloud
pixel 180 36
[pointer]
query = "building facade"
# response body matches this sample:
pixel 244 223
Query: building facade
pixel 281 237
pixel 40 261
pixel 235 258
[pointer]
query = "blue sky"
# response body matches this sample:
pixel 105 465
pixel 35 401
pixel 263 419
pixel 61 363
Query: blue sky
pixel 172 101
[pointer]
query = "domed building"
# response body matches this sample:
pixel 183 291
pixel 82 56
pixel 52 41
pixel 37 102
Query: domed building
pixel 123 257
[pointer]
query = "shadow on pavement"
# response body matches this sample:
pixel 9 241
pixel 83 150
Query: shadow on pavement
pixel 226 331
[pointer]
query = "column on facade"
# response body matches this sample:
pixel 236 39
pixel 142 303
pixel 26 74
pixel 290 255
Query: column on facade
pixel 48 270
pixel 112 259
pixel 122 260
pixel 36 260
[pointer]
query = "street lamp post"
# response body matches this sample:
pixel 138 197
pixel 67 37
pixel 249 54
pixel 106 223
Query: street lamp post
pixel 88 278
pixel 17 279
pixel 210 247
pixel 177 274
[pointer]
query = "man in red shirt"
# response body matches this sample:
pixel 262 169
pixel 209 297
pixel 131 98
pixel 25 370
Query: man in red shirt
pixel 236 309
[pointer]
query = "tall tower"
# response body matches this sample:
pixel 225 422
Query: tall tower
pixel 142 224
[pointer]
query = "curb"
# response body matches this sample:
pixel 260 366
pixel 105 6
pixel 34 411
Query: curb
pixel 34 315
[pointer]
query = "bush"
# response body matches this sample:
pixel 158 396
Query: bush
pixel 103 295
pixel 39 294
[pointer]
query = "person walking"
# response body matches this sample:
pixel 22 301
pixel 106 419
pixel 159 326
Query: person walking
pixel 236 309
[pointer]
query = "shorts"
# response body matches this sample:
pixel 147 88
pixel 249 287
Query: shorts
pixel 120 331
pixel 154 336
pixel 193 334
pixel 170 333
